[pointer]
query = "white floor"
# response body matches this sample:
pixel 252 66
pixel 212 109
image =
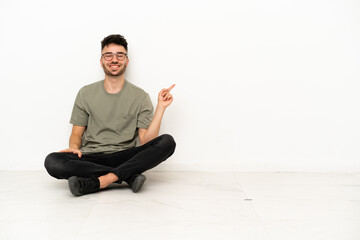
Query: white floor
pixel 185 205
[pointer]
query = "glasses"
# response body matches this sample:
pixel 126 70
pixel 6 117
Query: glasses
pixel 109 56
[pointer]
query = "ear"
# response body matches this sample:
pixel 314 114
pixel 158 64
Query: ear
pixel 127 61
pixel 101 63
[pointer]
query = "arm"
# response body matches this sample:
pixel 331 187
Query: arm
pixel 164 100
pixel 146 135
pixel 75 140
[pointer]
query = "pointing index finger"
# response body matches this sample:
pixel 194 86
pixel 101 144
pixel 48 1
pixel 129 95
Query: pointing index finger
pixel 172 86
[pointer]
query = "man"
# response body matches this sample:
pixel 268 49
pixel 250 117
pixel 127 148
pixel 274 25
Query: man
pixel 107 118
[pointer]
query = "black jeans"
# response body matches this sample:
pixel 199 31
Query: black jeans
pixel 123 164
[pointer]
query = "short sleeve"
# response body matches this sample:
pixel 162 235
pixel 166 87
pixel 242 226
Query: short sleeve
pixel 79 116
pixel 146 113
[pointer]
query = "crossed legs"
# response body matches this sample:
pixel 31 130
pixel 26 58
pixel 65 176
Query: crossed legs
pixel 114 167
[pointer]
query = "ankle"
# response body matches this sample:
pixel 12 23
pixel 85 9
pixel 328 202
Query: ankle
pixel 107 179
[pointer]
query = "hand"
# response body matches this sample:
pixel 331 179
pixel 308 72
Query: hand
pixel 165 98
pixel 73 150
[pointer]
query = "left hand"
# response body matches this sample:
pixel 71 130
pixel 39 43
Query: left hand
pixel 165 98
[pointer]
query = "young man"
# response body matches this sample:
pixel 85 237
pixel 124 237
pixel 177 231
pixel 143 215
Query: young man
pixel 107 118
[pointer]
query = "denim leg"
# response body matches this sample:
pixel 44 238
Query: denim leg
pixel 64 165
pixel 146 157
pixel 124 164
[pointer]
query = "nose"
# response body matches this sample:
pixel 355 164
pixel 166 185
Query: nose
pixel 114 59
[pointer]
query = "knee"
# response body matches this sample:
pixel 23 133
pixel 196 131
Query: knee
pixel 48 164
pixel 53 165
pixel 168 142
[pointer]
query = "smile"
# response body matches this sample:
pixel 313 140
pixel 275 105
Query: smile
pixel 114 66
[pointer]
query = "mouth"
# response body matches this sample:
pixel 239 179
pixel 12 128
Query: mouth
pixel 114 67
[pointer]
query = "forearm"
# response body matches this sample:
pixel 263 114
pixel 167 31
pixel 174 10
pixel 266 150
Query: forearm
pixel 164 100
pixel 154 128
pixel 75 141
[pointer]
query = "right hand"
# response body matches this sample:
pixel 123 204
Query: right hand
pixel 73 150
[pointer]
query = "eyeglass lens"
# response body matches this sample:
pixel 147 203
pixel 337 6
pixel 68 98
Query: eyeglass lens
pixel 119 55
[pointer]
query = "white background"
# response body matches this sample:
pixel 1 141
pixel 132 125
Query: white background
pixel 260 85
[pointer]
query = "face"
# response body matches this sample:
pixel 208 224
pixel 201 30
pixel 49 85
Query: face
pixel 114 67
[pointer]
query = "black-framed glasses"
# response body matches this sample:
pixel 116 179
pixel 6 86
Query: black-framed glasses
pixel 119 55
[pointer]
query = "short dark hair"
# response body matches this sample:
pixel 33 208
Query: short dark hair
pixel 114 38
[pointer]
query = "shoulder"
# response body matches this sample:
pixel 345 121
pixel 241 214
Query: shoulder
pixel 91 88
pixel 135 89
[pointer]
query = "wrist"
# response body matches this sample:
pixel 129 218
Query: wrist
pixel 161 108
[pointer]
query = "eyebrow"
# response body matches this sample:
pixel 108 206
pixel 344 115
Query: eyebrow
pixel 112 53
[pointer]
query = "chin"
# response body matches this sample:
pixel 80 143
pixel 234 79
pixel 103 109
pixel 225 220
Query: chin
pixel 116 73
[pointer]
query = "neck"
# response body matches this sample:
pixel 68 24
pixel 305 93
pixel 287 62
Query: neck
pixel 113 84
